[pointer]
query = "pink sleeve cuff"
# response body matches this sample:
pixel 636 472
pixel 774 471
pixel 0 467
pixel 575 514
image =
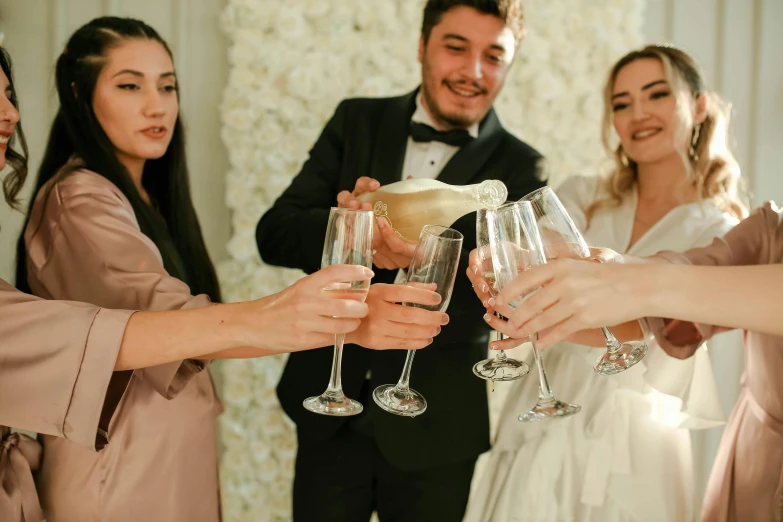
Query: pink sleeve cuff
pixel 96 370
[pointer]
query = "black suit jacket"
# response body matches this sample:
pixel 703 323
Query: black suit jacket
pixel 368 137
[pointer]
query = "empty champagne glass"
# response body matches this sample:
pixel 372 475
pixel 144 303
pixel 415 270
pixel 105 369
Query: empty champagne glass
pixel 348 242
pixel 501 367
pixel 516 246
pixel 435 260
pixel 561 238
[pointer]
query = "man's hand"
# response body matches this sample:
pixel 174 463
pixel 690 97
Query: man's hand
pixel 346 199
pixel 390 251
pixel 390 325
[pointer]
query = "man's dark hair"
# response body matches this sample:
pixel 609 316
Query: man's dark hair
pixel 510 11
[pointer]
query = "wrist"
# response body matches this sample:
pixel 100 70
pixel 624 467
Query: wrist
pixel 246 323
pixel 625 259
pixel 657 289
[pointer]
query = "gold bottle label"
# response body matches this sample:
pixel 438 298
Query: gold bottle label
pixel 380 209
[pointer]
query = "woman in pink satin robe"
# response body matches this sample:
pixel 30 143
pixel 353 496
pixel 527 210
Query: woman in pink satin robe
pixel 746 484
pixel 58 359
pixel 113 224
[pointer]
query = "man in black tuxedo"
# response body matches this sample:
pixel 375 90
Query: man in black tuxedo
pixel 407 469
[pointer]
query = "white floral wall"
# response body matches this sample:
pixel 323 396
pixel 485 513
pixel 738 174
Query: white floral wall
pixel 291 62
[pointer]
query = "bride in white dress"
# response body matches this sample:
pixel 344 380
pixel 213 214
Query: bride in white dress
pixel 627 455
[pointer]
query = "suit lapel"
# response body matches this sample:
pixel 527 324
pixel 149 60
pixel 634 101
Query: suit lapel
pixel 392 139
pixel 467 162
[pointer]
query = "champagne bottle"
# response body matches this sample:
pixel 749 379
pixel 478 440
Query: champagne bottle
pixel 409 205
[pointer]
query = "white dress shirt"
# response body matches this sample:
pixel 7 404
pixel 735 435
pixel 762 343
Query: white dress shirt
pixel 426 160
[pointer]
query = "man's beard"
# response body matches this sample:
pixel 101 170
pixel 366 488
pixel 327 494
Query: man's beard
pixel 453 121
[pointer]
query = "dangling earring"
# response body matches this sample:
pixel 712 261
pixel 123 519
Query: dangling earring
pixel 694 143
pixel 623 157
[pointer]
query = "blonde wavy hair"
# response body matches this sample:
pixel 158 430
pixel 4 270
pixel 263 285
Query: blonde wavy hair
pixel 710 165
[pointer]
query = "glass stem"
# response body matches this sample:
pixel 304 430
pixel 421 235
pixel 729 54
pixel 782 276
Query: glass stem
pixel 612 344
pixel 402 384
pixel 335 379
pixel 545 393
pixel 501 355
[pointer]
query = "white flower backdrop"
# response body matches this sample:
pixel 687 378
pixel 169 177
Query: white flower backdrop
pixel 291 62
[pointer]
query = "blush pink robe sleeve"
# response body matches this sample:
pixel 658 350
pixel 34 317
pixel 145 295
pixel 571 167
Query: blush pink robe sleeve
pixel 56 360
pixel 84 244
pixel 746 484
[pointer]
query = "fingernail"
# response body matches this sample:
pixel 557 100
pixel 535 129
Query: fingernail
pixel 380 222
pixel 493 346
pixel 430 341
pixel 484 288
pixel 487 317
pixel 368 272
pixel 444 319
pixel 491 302
pixel 475 269
pixel 435 298
pixel 438 330
pixel 375 184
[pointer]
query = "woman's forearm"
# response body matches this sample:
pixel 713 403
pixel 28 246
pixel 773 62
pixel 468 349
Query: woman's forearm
pixel 745 297
pixel 154 338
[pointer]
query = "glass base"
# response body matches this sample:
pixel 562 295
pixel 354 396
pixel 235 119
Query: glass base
pixel 408 403
pixel 553 409
pixel 629 354
pixel 334 404
pixel 496 369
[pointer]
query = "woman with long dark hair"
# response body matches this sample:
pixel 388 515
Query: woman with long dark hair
pixel 113 224
pixel 59 357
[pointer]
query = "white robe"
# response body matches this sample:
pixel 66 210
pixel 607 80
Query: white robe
pixel 627 455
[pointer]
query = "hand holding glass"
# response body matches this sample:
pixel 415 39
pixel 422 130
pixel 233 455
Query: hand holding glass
pixel 348 242
pixel 500 367
pixel 516 246
pixel 561 238
pixel 435 261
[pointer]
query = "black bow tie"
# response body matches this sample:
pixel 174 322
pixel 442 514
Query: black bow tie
pixel 421 132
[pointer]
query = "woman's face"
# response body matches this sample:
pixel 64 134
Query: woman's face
pixel 136 102
pixel 645 112
pixel 9 116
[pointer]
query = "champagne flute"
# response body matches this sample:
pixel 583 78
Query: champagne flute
pixel 348 242
pixel 435 260
pixel 516 246
pixel 561 238
pixel 500 367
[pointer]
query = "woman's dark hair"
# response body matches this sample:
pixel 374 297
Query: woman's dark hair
pixel 76 132
pixel 17 161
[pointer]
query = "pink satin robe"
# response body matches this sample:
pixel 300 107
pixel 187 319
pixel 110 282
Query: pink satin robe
pixel 746 484
pixel 56 360
pixel 84 244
